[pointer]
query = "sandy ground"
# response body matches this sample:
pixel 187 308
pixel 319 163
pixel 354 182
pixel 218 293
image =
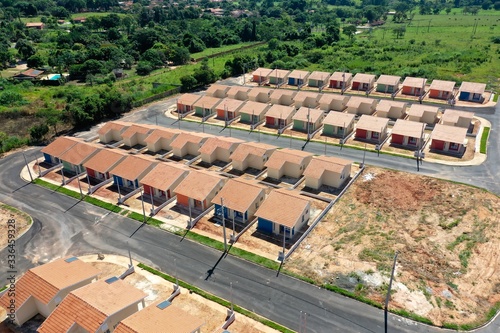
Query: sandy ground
pixel 22 223
pixel 446 235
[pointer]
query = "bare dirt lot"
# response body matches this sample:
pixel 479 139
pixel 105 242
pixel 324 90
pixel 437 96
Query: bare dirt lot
pixel 446 235
pixel 22 223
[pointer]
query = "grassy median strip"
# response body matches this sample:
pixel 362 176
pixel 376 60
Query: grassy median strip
pixel 484 140
pixel 217 300
pixel 3 288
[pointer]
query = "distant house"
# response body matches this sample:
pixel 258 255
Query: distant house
pixel 457 118
pixel 136 135
pixel 239 93
pixel 329 171
pixel 363 82
pixel 471 91
pixel 423 113
pixel 253 112
pixel 278 76
pixel 74 158
pixel 79 19
pixel 160 139
pixel 306 99
pixel 441 89
pixel 338 124
pixel 287 162
pixel 371 128
pixel 340 80
pixel 251 155
pixel 414 86
pixel 163 179
pixel 218 149
pixel 261 75
pixel 282 97
pixel 241 199
pixel 188 144
pixel 217 90
pixel 229 108
pixel 318 79
pixel 307 120
pixel 198 189
pixel 334 102
pixel 131 170
pixel 112 131
pixel 29 75
pixel 161 316
pixel 260 95
pixel 298 78
pixel 35 25
pixel 448 139
pixel 391 109
pixel 388 83
pixel 205 106
pixel 407 133
pixel 99 165
pixel 96 307
pixel 279 116
pixel 42 289
pixel 185 103
pixel 361 105
pixel 273 219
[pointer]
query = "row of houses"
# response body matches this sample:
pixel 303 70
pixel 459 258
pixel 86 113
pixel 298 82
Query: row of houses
pixel 391 84
pixel 68 293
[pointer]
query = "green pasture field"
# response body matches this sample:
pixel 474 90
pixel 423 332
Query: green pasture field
pixel 210 51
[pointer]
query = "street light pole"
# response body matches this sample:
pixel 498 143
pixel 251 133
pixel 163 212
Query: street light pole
pixel 388 296
pixel 27 166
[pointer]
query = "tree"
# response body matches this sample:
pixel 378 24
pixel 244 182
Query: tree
pixel 349 31
pixel 37 60
pixel 178 55
pixel 399 31
pixel 144 68
pixel 204 74
pixel 52 117
pixel 37 132
pixel 25 49
pixel 332 33
pixel 188 82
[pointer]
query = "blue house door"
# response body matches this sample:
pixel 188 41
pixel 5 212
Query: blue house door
pixel 464 96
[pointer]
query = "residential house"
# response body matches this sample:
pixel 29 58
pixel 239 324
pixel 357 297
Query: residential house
pixel 340 80
pixel 448 139
pixel 251 155
pixel 229 108
pixel 239 93
pixel 338 124
pixel 361 105
pixel 287 163
pixel 97 307
pixel 328 171
pixel 306 99
pixel 217 90
pixel 198 189
pixel 298 77
pixel 241 199
pixel 371 128
pixel 414 86
pixel 423 113
pixel 188 143
pixel 471 91
pixel 388 84
pixel 185 103
pixel 363 82
pixel 161 317
pixel 218 148
pixel 160 139
pixel 53 152
pixel 205 106
pixel 131 170
pixel 457 118
pixel 260 95
pixel 35 25
pixel 282 97
pixel 112 131
pixel 391 109
pixel 442 89
pixel 41 289
pixel 308 120
pixel 335 102
pixel 408 133
pixel 283 212
pixel 279 116
pixel 80 19
pixel 253 112
pixel 29 75
pixel 278 76
pixel 261 75
pixel 136 135
pixel 318 79
pixel 74 158
pixel 99 165
pixel 161 181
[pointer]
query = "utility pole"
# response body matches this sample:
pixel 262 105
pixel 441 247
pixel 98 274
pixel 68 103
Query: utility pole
pixel 388 296
pixel 223 223
pixel 308 123
pixel 143 210
pixel 343 137
pixel 203 119
pixel 27 166
pixel 79 186
pixel 62 174
pixel 152 202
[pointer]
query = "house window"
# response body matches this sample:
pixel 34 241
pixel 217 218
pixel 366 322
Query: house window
pixel 476 97
pixel 412 141
pixel 375 135
pixel 454 146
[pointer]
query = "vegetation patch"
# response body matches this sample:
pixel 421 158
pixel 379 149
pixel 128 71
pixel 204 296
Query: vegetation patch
pixel 484 140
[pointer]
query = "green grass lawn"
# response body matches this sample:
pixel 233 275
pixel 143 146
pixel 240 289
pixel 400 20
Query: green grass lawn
pixel 210 51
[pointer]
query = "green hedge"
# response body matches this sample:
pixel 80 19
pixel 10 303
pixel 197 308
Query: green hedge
pixel 484 140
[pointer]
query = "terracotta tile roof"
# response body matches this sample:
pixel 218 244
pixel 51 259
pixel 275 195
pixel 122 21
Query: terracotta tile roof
pixel 136 129
pixel 104 160
pixel 257 91
pixel 153 319
pixel 215 88
pixel 449 133
pixel 132 167
pixel 298 74
pixel 303 113
pixel 216 142
pixel 328 98
pixel 262 71
pixel 337 76
pixel 390 80
pixel 34 24
pixel 301 96
pixel 283 207
pixel 339 119
pixel 473 87
pixel 363 78
pixel 229 104
pixel 114 126
pixel 356 101
pixel 442 85
pixel 279 73
pixel 30 72
pixel 417 110
pixel 236 89
pixel 317 75
pixel 184 138
pixel 408 128
pixel 280 111
pixel 60 145
pixel 321 164
pixel 452 116
pixel 188 99
pixel 78 153
pixel 415 82
pixel 286 155
pixel 251 148
pixel 371 123
pixel 164 175
pixel 278 93
pixel 207 102
pixel 386 105
pixel 239 194
pixel 199 184
pixel 163 133
pixel 255 108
